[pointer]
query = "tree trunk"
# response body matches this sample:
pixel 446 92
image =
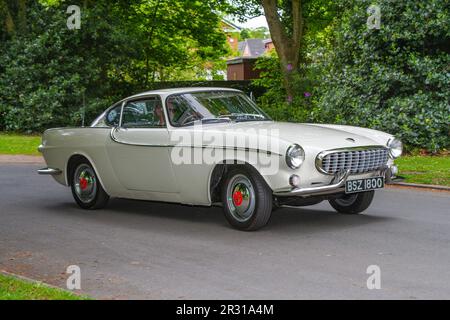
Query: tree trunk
pixel 9 26
pixel 287 46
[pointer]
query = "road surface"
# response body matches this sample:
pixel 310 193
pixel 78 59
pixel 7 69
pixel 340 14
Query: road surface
pixel 144 250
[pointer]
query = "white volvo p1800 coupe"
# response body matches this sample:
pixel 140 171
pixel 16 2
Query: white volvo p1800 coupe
pixel 206 146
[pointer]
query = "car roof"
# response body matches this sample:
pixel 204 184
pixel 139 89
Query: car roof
pixel 170 91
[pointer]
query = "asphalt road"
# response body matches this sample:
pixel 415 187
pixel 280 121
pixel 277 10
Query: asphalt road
pixel 138 250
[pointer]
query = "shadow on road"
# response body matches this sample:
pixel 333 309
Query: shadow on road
pixel 163 216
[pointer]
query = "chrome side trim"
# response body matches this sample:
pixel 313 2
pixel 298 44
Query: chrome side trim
pixel 331 188
pixel 323 154
pixel 50 171
pixel 190 146
pixel 113 138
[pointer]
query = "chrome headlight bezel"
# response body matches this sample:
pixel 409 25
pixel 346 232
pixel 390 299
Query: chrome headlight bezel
pixel 395 147
pixel 295 156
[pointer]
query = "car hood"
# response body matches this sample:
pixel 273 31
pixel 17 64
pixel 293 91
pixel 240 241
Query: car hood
pixel 307 135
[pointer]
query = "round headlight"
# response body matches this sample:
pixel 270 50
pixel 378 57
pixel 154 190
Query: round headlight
pixel 395 148
pixel 295 155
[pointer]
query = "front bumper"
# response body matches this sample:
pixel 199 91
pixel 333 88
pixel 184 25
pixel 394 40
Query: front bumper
pixel 336 186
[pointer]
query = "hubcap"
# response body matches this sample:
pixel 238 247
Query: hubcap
pixel 241 198
pixel 85 183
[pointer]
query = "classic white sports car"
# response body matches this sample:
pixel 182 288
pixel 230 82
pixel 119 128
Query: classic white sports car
pixel 207 146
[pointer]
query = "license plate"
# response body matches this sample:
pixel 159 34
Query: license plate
pixel 361 185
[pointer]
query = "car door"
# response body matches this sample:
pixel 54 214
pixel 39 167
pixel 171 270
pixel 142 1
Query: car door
pixel 139 147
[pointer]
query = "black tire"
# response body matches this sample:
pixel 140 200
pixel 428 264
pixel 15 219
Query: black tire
pixel 353 203
pixel 255 195
pixel 97 198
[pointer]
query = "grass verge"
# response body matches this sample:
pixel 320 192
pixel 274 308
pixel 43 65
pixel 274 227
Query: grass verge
pixel 425 169
pixel 19 144
pixel 12 288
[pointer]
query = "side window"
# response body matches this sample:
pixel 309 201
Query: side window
pixel 146 113
pixel 113 116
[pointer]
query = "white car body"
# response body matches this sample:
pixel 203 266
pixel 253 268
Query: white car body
pixel 135 163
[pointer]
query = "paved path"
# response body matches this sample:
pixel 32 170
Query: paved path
pixel 137 249
pixel 20 159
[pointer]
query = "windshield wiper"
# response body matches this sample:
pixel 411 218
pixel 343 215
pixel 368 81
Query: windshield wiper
pixel 207 120
pixel 243 117
pixel 215 120
pixel 255 119
pixel 240 116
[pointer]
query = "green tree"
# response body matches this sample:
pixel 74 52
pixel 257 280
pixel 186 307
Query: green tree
pixel 289 21
pixel 256 33
pixel 318 21
pixel 46 70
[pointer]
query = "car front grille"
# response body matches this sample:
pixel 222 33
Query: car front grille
pixel 358 160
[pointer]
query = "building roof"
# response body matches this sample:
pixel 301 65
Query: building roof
pixel 241 46
pixel 231 27
pixel 252 48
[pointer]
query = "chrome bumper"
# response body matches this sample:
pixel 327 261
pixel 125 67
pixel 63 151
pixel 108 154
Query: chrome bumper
pixel 336 186
pixel 50 171
pixel 328 189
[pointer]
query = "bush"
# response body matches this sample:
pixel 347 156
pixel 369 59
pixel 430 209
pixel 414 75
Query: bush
pixel 46 74
pixel 50 76
pixel 274 101
pixel 395 79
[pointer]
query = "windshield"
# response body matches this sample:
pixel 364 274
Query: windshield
pixel 212 107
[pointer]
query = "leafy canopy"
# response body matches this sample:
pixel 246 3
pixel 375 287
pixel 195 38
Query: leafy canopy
pixel 46 70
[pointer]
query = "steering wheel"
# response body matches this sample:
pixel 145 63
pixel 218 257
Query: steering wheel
pixel 188 119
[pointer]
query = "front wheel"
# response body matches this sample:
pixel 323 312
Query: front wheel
pixel 353 203
pixel 247 200
pixel 86 188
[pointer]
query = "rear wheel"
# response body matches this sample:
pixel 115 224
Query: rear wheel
pixel 247 200
pixel 353 203
pixel 86 188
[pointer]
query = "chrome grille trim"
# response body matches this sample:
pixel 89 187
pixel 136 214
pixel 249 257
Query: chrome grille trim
pixel 357 160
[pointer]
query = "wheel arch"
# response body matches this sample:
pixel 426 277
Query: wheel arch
pixel 219 172
pixel 73 159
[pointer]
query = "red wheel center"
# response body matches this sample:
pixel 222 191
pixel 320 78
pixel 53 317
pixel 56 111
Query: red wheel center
pixel 83 183
pixel 237 198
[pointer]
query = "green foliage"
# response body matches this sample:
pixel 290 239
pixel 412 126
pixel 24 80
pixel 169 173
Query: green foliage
pixel 256 33
pixel 46 70
pixel 395 79
pixel 12 288
pixel 318 16
pixel 274 101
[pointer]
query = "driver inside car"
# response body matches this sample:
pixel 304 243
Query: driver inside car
pixel 180 114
